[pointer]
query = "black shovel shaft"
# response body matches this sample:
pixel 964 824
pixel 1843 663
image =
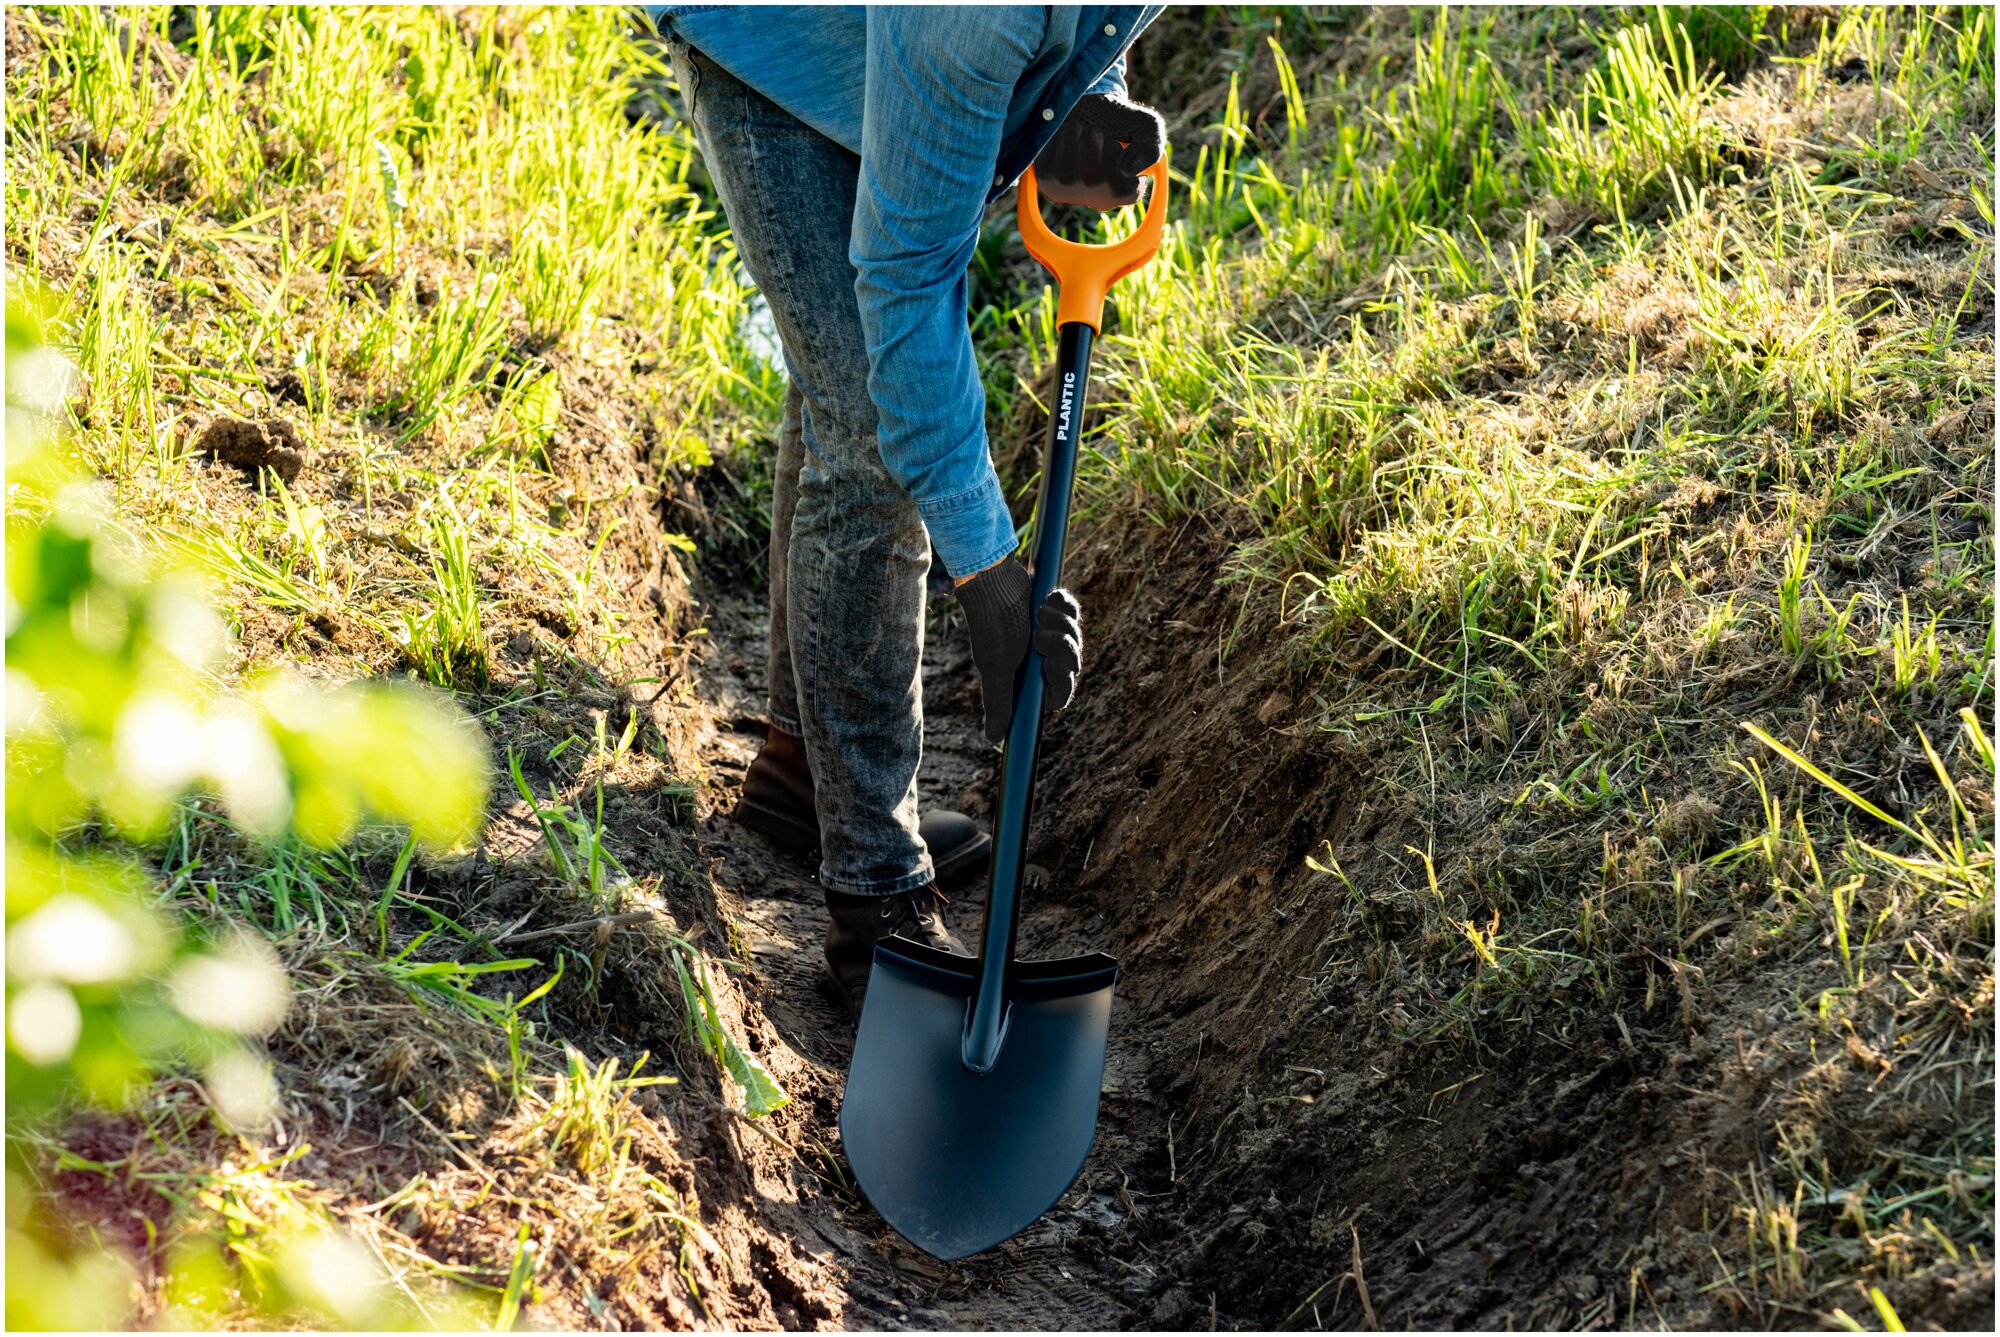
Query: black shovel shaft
pixel 984 1027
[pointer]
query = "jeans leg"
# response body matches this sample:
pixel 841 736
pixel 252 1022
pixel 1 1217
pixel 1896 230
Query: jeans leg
pixel 856 548
pixel 783 693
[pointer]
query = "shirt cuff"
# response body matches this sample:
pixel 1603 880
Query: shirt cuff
pixel 1111 83
pixel 971 530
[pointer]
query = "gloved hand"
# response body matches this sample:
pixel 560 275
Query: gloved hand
pixel 1096 159
pixel 996 611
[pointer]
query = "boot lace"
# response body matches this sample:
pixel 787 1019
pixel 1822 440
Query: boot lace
pixel 922 909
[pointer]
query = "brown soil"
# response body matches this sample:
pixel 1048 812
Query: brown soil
pixel 1268 1156
pixel 858 1272
pixel 1273 1151
pixel 273 444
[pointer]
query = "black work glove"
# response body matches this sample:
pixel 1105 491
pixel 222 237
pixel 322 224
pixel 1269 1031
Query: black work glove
pixel 1096 159
pixel 996 611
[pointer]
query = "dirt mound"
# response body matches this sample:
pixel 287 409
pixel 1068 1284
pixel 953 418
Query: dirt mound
pixel 273 444
pixel 1270 1153
pixel 1282 1143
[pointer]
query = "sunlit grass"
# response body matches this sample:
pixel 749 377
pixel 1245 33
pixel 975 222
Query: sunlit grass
pixel 1597 404
pixel 1545 404
pixel 414 234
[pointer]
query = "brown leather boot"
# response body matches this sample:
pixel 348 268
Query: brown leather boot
pixel 778 793
pixel 778 802
pixel 859 922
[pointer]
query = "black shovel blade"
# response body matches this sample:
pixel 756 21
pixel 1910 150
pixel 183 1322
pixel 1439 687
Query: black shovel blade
pixel 958 1162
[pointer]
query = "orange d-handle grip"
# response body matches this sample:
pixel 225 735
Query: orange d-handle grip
pixel 1085 273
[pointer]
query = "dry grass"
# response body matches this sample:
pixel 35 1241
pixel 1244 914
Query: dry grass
pixel 427 270
pixel 1624 498
pixel 1569 399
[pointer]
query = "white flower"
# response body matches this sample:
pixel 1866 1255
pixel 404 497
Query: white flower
pixel 239 1083
pixel 239 756
pixel 41 379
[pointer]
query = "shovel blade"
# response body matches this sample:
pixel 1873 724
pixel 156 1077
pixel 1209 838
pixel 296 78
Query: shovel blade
pixel 958 1162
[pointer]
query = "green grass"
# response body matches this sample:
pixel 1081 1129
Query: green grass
pixel 502 320
pixel 448 641
pixel 1602 399
pixel 1553 383
pixel 1640 123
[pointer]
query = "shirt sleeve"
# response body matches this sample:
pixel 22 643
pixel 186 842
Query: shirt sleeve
pixel 1111 83
pixel 939 81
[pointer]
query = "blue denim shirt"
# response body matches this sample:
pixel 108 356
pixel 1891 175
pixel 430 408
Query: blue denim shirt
pixel 945 106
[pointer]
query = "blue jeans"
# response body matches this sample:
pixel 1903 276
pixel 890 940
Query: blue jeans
pixel 849 551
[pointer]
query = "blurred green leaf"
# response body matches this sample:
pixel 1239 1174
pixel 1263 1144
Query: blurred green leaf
pixel 112 721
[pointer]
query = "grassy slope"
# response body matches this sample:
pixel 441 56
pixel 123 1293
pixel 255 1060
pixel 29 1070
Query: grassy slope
pixel 1513 410
pixel 1605 412
pixel 503 328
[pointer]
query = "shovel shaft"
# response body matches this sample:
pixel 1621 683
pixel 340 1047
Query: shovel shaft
pixel 985 1026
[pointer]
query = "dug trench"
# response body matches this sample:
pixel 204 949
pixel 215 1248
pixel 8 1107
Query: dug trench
pixel 1275 1149
pixel 1271 1153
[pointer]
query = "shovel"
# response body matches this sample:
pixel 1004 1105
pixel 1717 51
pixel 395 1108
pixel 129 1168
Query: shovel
pixel 972 1095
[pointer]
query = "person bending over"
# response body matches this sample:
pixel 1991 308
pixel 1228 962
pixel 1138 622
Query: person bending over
pixel 854 150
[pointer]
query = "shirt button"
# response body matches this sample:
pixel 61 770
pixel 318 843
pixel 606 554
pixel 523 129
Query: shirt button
pixel 1048 113
pixel 1110 30
pixel 1000 180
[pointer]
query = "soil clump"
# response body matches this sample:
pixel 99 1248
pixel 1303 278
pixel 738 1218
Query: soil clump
pixel 272 444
